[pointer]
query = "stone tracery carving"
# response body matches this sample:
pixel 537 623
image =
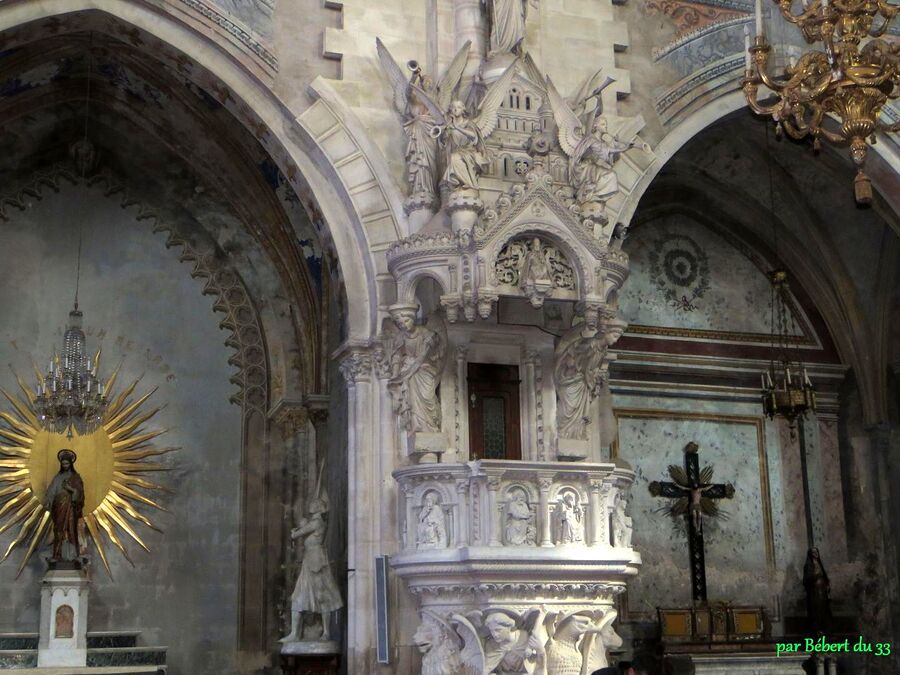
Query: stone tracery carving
pixel 535 266
pixel 416 358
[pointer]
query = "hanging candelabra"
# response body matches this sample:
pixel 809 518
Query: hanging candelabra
pixel 850 80
pixel 70 395
pixel 786 388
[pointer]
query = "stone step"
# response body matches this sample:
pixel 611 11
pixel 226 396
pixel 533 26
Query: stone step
pixel 95 640
pixel 118 659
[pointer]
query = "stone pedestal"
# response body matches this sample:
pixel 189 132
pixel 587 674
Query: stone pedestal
pixel 310 656
pixel 425 446
pixel 572 450
pixel 64 612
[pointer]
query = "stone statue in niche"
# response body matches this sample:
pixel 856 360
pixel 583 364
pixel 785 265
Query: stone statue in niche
pixel 418 122
pixel 534 275
pixel 438 644
pixel 818 591
pixel 592 151
pixel 622 523
pixel 575 643
pixel 535 266
pixel 520 528
pixel 416 361
pixel 569 519
pixel 315 591
pixel 577 374
pixel 507 24
pixel 431 530
pixel 64 500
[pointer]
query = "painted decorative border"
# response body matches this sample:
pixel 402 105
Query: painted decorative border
pixel 238 32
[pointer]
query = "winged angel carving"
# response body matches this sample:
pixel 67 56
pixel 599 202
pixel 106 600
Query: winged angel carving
pixel 592 150
pixel 440 129
pixel 502 641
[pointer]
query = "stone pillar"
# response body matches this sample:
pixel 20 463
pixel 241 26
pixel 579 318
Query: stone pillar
pixel 469 24
pixel 317 411
pixel 64 613
pixel 462 509
pixel 544 485
pixel 461 428
pixel 599 495
pixel 493 485
pixel 530 444
pixel 356 367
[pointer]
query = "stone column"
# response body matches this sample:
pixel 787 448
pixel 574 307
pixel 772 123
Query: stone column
pixel 461 428
pixel 530 422
pixel 317 409
pixel 493 485
pixel 462 501
pixel 599 496
pixel 469 24
pixel 356 367
pixel 544 485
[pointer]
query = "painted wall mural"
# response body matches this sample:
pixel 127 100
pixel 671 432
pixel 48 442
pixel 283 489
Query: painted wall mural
pixel 685 276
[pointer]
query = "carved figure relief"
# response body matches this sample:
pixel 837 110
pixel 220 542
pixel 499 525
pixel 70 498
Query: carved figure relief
pixel 622 523
pixel 592 151
pixel 431 530
pixel 570 516
pixel 439 646
pixel 577 374
pixel 536 267
pixel 418 122
pixel 576 644
pixel 507 24
pixel 520 529
pixel 416 361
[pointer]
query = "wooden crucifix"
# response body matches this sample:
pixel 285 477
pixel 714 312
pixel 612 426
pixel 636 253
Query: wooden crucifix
pixel 695 496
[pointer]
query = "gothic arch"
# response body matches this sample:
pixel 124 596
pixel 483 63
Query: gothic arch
pixel 329 185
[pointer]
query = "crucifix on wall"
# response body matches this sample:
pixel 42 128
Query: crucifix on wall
pixel 694 494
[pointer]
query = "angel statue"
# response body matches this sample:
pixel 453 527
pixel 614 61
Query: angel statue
pixel 578 641
pixel 416 359
pixel 418 122
pixel 592 151
pixel 513 643
pixel 462 132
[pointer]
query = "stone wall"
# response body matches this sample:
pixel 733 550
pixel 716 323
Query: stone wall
pixel 144 309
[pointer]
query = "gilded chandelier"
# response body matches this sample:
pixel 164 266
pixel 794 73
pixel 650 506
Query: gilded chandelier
pixel 851 80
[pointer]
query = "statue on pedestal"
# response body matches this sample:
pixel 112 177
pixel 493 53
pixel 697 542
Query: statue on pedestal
pixel 64 500
pixel 315 590
pixel 577 374
pixel 818 591
pixel 507 24
pixel 416 362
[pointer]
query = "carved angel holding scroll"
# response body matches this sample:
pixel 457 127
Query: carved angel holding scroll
pixel 592 151
pixel 418 122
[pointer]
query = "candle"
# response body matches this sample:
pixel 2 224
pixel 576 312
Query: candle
pixel 806 379
pixel 762 380
pixel 54 384
pixel 746 47
pixel 759 23
pixel 788 371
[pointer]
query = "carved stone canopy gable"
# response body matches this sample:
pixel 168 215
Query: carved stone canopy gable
pixel 530 260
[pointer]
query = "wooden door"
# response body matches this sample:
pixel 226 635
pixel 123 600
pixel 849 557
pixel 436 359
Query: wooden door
pixel 494 411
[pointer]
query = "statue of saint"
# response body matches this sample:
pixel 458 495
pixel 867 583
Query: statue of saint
pixel 431 531
pixel 535 268
pixel 416 362
pixel 519 527
pixel 65 502
pixel 818 591
pixel 579 356
pixel 507 22
pixel 570 516
pixel 315 590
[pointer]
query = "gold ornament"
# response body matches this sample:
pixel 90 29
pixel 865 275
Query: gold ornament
pixel 111 461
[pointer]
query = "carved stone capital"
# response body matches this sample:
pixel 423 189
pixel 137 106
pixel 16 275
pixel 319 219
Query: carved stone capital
pixel 356 366
pixel 290 418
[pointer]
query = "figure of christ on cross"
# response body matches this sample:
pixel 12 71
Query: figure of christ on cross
pixel 694 494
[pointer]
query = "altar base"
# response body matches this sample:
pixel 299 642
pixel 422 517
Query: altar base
pixel 64 611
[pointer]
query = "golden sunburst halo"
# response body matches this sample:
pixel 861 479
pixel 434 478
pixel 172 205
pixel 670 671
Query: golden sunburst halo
pixel 111 460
